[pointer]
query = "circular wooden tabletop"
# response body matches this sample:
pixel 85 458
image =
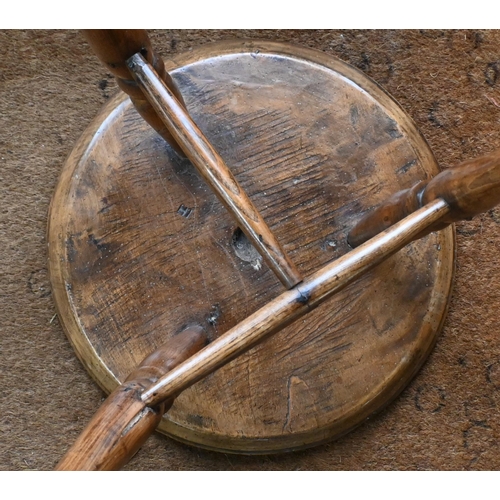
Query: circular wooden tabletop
pixel 140 247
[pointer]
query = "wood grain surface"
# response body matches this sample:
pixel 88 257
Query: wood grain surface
pixel 52 86
pixel 469 189
pixel 114 47
pixel 123 423
pixel 140 246
pixel 214 171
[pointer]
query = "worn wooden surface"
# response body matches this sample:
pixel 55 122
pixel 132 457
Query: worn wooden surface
pixel 139 246
pixel 214 171
pixel 293 304
pixel 470 188
pixel 114 47
pixel 123 423
pixel 52 86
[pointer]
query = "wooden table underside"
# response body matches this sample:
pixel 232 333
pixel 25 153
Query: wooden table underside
pixel 140 247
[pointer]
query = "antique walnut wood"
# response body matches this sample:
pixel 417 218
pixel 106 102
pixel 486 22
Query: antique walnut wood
pixel 141 247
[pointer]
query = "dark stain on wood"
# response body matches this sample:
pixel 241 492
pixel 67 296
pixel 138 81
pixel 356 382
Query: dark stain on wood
pixel 406 167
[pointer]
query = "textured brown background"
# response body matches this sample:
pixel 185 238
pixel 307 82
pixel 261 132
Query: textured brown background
pixel 51 86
